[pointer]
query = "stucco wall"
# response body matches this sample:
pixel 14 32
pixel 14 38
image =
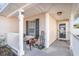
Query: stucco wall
pixel 52 26
pixel 41 22
pixel 9 24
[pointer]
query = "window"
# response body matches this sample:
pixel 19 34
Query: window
pixel 31 28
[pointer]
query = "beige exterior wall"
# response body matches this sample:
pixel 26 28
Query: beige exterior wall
pixel 11 27
pixel 41 22
pixel 52 26
pixel 53 30
pixel 9 24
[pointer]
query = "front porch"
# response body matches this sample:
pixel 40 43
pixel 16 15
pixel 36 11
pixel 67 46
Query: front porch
pixel 58 48
pixel 52 25
pixel 49 23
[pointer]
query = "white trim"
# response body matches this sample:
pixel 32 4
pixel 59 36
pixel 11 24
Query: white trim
pixel 26 5
pixel 47 30
pixel 14 48
pixel 67 30
pixel 21 18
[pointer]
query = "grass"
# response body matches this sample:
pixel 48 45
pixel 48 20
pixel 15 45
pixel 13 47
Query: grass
pixel 76 26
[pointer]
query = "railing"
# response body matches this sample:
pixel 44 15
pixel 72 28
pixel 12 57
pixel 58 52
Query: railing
pixel 75 44
pixel 13 41
pixel 75 36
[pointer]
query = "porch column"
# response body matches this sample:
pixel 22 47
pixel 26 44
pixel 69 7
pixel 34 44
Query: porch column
pixel 47 30
pixel 20 17
pixel 71 29
pixel 71 22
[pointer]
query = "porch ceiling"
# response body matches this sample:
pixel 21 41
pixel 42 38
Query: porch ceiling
pixel 52 8
pixel 66 10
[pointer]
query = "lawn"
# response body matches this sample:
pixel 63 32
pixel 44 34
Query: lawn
pixel 76 25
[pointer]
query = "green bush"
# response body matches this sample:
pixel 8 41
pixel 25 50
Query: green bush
pixel 4 51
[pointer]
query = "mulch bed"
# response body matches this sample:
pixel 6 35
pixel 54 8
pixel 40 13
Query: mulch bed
pixel 5 51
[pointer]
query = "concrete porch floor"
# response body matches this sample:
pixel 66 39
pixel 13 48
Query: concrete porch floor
pixel 58 48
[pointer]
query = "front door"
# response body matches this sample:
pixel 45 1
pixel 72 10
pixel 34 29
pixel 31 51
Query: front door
pixel 62 31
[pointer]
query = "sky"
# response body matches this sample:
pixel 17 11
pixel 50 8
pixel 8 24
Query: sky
pixel 77 20
pixel 2 6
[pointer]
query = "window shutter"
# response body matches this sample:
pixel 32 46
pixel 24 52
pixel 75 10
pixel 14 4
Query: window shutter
pixel 26 27
pixel 37 28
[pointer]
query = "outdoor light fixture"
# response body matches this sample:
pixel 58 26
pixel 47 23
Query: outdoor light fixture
pixel 59 13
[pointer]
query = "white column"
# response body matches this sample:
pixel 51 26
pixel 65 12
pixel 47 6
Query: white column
pixel 21 18
pixel 71 22
pixel 47 30
pixel 71 29
pixel 73 13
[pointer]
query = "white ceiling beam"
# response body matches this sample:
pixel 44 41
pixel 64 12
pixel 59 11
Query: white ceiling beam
pixel 43 9
pixel 26 5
